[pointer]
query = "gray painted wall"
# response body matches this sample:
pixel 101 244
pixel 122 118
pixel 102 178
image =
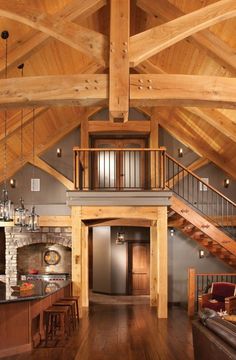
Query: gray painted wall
pixel 102 259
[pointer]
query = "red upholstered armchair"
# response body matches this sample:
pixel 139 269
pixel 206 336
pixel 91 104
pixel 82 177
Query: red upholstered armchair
pixel 222 296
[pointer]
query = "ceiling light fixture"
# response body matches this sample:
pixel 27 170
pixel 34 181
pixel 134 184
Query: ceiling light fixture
pixel 6 206
pixel 33 224
pixel 21 213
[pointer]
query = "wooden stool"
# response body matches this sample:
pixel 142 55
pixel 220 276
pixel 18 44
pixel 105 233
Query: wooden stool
pixel 56 316
pixel 76 300
pixel 72 310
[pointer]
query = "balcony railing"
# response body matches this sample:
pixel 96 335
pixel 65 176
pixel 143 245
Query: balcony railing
pixel 136 169
pixel 200 195
pixel 110 169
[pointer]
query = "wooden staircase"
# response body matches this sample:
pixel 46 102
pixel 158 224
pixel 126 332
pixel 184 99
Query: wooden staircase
pixel 208 236
pixel 208 221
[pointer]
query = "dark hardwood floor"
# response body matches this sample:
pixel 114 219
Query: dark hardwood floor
pixel 123 332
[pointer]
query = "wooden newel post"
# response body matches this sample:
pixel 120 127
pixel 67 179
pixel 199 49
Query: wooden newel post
pixel 191 291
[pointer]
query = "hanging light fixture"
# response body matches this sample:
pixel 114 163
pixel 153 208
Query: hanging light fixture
pixel 21 213
pixel 6 206
pixel 33 224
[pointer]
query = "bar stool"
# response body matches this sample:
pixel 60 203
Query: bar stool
pixel 56 317
pixel 72 310
pixel 76 300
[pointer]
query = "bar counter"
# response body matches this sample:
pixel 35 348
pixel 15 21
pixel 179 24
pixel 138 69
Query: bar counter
pixel 21 314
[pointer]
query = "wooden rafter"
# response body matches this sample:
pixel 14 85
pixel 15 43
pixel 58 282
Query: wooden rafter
pixel 145 90
pixel 41 164
pixel 119 60
pixel 35 40
pixel 15 126
pixel 152 41
pixel 215 47
pixel 71 123
pixel 212 116
pixel 180 129
pixel 85 40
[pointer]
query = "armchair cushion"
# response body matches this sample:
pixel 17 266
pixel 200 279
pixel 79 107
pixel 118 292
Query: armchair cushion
pixel 221 290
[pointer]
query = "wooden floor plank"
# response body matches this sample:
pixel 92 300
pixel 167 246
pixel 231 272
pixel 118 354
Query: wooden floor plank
pixel 124 332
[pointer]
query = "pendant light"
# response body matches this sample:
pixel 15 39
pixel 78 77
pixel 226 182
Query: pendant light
pixel 21 213
pixel 6 206
pixel 33 223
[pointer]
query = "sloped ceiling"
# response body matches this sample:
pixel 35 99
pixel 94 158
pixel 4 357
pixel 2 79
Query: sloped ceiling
pixel 212 52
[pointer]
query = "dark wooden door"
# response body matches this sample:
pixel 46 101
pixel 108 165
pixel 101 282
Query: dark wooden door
pixel 114 169
pixel 138 268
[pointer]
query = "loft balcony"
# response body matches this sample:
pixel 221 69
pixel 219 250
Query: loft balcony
pixel 145 177
pixel 115 176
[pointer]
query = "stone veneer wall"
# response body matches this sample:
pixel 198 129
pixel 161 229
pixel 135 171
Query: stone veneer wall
pixel 15 238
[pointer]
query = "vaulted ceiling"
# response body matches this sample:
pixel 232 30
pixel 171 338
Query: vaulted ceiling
pixel 184 69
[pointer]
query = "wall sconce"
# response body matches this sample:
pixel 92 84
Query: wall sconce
pixel 13 183
pixel 226 183
pixel 59 152
pixel 201 254
pixel 172 231
pixel 120 238
pixel 180 152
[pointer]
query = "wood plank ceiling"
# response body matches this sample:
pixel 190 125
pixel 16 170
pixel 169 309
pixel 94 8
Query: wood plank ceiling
pixel 64 37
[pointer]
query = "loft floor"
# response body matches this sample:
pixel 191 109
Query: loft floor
pixel 124 332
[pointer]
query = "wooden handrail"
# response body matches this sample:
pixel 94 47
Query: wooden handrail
pixel 215 274
pixel 118 149
pixel 199 179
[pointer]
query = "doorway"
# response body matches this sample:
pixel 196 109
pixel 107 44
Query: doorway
pixel 138 268
pixel 119 168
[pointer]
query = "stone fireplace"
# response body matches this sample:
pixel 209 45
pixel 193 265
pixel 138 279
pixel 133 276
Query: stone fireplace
pixel 23 246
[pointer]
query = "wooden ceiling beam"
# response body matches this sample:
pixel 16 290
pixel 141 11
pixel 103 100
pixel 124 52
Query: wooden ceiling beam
pixel 35 40
pixel 39 163
pixel 214 117
pixel 133 126
pixel 152 41
pixel 62 90
pixel 82 39
pixel 182 90
pixel 119 60
pixel 206 40
pixel 92 90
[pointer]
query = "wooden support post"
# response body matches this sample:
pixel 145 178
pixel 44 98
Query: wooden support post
pixel 153 264
pixel 84 260
pixel 154 144
pixel 84 143
pixel 191 291
pixel 119 60
pixel 76 250
pixel 162 272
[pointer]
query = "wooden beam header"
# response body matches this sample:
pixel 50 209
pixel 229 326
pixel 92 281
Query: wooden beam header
pixel 92 90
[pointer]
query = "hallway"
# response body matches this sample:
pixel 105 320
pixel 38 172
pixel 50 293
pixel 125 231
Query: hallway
pixel 123 332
